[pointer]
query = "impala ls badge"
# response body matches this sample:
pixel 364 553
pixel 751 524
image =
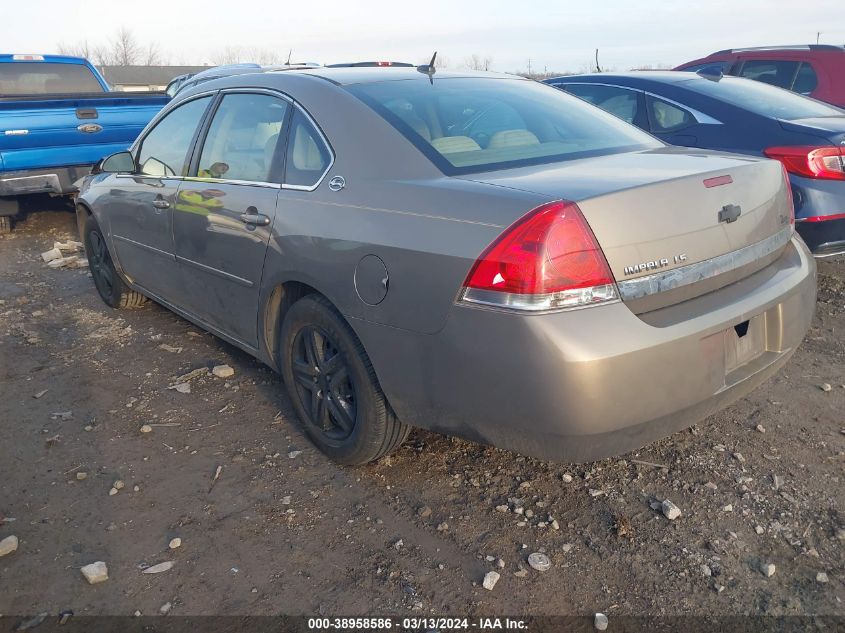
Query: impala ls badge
pixel 729 213
pixel 337 183
pixel 89 128
pixel 654 264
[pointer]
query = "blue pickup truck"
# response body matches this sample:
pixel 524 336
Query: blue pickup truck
pixel 57 119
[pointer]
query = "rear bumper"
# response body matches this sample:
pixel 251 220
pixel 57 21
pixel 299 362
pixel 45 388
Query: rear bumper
pixel 596 382
pixel 819 199
pixel 825 238
pixel 58 180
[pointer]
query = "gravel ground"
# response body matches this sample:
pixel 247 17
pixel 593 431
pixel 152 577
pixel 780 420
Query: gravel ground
pixel 284 530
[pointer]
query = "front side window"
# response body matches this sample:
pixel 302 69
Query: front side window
pixel 242 138
pixel 619 102
pixel 666 117
pixel 466 125
pixel 164 149
pixel 308 157
pixel 778 73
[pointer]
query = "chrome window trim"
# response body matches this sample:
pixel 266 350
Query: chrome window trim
pixel 224 181
pixel 630 289
pixel 325 143
pixel 136 144
pixel 699 116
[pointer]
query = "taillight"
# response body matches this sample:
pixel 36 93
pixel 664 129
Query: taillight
pixel 548 260
pixel 811 162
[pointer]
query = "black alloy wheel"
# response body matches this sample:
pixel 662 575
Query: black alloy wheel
pixel 323 383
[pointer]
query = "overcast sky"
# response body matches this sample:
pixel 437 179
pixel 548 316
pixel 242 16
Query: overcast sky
pixel 558 35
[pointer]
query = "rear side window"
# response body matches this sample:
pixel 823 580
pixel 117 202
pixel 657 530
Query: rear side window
pixel 667 117
pixel 778 73
pixel 164 149
pixel 34 78
pixel 619 102
pixel 242 138
pixel 466 125
pixel 806 80
pixel 308 158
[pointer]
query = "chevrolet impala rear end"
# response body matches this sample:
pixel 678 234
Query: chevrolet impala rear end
pixel 474 254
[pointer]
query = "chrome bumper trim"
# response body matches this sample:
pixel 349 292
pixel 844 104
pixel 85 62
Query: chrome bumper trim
pixel 631 289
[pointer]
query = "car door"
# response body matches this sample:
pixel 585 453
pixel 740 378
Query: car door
pixel 625 103
pixel 224 211
pixel 139 207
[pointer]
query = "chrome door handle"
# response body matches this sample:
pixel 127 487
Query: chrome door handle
pixel 257 219
pixel 161 204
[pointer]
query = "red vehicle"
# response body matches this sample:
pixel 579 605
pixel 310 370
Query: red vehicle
pixel 815 70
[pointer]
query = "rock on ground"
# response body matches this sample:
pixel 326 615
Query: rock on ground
pixel 670 510
pixel 223 371
pixel 539 561
pixel 600 622
pixel 490 580
pixel 95 572
pixel 8 545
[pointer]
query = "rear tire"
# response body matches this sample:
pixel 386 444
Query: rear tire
pixel 333 386
pixel 111 287
pixel 8 208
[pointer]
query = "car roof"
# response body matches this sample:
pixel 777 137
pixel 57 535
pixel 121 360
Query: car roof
pixel 36 57
pixel 792 47
pixel 661 76
pixel 352 75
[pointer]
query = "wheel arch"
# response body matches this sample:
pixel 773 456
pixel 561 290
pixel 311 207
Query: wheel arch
pixel 83 212
pixel 281 295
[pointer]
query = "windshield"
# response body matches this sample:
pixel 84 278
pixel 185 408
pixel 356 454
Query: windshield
pixel 762 98
pixel 478 124
pixel 32 78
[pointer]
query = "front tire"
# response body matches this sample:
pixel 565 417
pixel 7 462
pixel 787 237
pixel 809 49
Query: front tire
pixel 333 386
pixel 111 287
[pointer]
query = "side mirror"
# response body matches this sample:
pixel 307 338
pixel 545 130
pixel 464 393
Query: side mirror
pixel 120 163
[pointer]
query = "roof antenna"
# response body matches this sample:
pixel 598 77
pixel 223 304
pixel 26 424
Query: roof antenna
pixel 290 52
pixel 429 69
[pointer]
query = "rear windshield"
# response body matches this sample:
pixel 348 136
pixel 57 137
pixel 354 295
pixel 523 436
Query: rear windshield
pixel 468 125
pixel 762 98
pixel 35 78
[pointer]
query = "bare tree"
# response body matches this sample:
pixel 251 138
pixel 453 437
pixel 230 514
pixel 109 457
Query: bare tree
pixel 240 55
pixel 476 62
pixel 152 56
pixel 125 50
pixel 80 49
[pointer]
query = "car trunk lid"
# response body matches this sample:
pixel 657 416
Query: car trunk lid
pixel 673 224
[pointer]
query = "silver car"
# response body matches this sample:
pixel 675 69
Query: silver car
pixel 475 254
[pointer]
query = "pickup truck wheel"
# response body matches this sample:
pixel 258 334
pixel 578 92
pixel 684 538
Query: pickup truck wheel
pixel 5 224
pixel 333 386
pixel 113 290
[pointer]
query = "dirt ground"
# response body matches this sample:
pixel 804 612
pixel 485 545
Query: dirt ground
pixel 284 530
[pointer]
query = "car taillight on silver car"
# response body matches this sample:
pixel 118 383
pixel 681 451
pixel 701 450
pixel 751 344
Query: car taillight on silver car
pixel 548 260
